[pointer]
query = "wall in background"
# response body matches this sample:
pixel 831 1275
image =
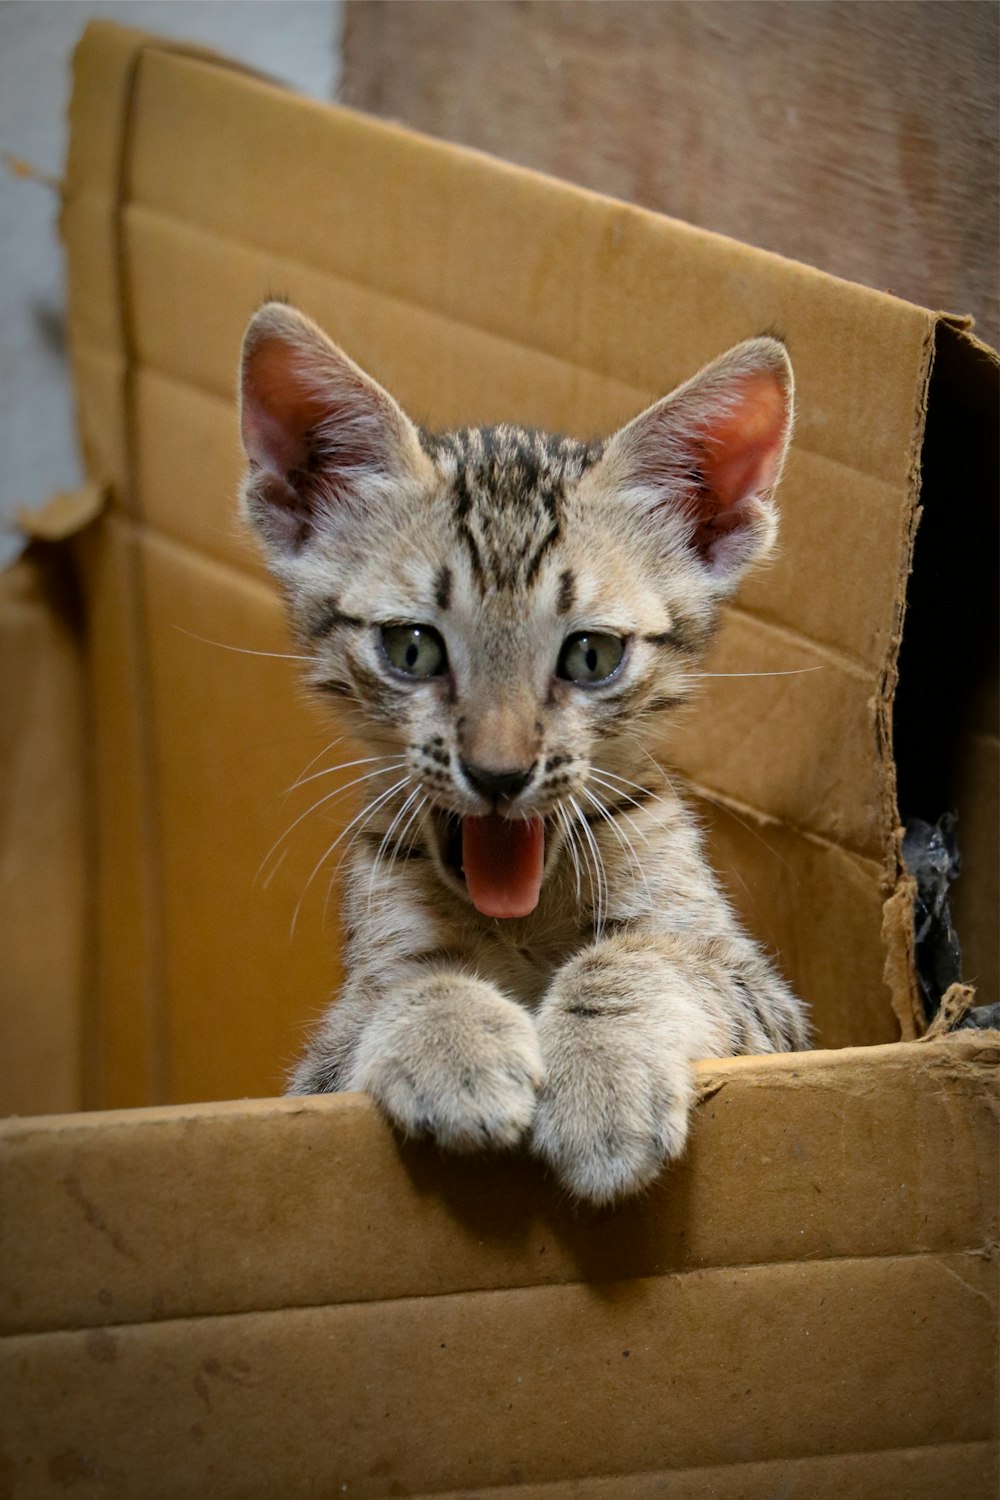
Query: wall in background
pixel 296 41
pixel 858 137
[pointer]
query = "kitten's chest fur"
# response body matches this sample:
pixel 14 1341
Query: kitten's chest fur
pixel 522 955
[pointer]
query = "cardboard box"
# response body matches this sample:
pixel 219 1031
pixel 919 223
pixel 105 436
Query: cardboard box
pixel 264 1298
pixel 275 1297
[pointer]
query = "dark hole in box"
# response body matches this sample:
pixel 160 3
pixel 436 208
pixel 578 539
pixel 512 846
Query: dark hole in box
pixel 948 665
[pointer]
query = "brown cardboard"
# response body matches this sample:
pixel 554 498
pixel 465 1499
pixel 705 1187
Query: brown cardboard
pixel 275 1297
pixel 43 832
pixel 324 1307
pixel 313 1201
pixel 544 1384
pixel 445 273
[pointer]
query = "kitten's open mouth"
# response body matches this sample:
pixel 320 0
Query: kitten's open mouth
pixel 500 860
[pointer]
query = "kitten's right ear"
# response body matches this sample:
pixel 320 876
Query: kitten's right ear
pixel 704 462
pixel 319 433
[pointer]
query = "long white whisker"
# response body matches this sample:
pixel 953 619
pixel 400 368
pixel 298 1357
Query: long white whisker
pixel 603 889
pixel 788 672
pixel 401 813
pixel 608 786
pixel 622 780
pixel 662 770
pixel 565 825
pixel 588 863
pixel 630 853
pixel 404 831
pixel 325 750
pixel 242 650
pixel 603 779
pixel 409 822
pixel 329 797
pixel 598 867
pixel 347 765
pixel 275 868
pixel 344 855
pixel 365 812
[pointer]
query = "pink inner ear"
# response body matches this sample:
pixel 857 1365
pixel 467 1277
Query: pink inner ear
pixel 743 446
pixel 279 410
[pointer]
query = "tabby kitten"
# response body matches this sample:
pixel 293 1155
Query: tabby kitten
pixel 535 946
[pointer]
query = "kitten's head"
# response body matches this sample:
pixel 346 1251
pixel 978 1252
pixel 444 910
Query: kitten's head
pixel 508 609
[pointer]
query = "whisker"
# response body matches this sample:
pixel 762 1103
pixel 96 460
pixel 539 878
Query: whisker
pixel 344 855
pixel 328 797
pixel 368 760
pixel 600 913
pixel 789 672
pixel 585 862
pixel 662 770
pixel 566 827
pixel 275 868
pixel 603 778
pixel 325 750
pixel 242 650
pixel 404 831
pixel 367 812
pixel 621 811
pixel 624 780
pixel 633 858
pixel 401 813
pixel 602 775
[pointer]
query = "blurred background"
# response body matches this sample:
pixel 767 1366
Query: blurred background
pixel 859 137
pixel 297 41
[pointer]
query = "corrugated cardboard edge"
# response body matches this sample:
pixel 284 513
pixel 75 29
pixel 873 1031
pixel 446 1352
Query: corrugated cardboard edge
pixel 898 939
pixel 792 1305
pixel 898 910
pixel 970 355
pixel 315 1201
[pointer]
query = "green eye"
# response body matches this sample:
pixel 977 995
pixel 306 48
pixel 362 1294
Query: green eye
pixel 416 650
pixel 590 658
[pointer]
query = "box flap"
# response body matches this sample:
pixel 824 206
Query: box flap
pixel 476 291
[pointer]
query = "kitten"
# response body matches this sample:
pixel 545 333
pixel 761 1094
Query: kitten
pixel 535 946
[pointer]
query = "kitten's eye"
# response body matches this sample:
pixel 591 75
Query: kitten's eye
pixel 417 650
pixel 590 657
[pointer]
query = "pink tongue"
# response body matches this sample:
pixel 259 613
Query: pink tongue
pixel 502 859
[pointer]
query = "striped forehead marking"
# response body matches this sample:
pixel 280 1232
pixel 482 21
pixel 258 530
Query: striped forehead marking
pixel 507 489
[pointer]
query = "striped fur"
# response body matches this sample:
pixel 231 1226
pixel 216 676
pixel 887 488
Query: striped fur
pixel 572 1028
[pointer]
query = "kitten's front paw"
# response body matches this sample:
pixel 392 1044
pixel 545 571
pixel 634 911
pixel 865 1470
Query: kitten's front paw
pixel 616 1099
pixel 455 1060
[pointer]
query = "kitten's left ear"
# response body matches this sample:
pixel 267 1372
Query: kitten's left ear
pixel 708 457
pixel 322 437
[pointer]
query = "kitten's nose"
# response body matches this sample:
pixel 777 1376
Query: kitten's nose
pixel 496 784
